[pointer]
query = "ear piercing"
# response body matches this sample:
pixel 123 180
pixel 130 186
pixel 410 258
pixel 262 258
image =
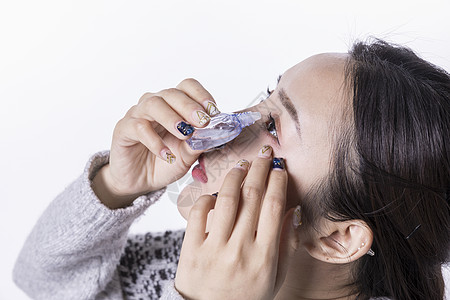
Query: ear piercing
pixel 362 245
pixel 370 252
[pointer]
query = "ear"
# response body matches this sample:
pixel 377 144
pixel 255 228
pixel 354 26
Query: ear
pixel 341 242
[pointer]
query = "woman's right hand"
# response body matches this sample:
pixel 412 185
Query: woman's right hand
pixel 148 149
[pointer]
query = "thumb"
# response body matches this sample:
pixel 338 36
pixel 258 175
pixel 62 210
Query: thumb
pixel 289 241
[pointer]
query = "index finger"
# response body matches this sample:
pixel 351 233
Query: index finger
pixel 273 205
pixel 196 91
pixel 227 203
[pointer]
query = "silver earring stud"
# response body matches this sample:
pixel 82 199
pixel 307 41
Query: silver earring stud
pixel 371 252
pixel 362 245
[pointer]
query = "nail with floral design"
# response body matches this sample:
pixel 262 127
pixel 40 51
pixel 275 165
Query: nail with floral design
pixel 211 108
pixel 185 128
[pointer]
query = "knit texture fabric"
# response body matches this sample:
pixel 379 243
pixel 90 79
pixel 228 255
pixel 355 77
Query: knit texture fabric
pixel 149 264
pixel 77 250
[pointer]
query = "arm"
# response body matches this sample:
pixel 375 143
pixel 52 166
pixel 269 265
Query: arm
pixel 75 247
pixel 73 251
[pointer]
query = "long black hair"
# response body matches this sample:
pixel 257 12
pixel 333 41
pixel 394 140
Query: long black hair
pixel 391 169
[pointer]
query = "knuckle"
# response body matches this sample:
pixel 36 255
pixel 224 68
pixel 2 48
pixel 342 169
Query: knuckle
pixel 141 126
pixel 228 202
pixel 251 191
pixel 188 81
pixel 276 206
pixel 131 111
pixel 149 102
pixel 145 96
pixel 118 129
pixel 234 259
pixel 170 92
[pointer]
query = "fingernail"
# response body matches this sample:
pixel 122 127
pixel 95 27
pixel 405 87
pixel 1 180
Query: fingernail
pixel 203 118
pixel 211 108
pixel 185 128
pixel 168 156
pixel 243 164
pixel 297 216
pixel 265 151
pixel 278 163
pixel 215 194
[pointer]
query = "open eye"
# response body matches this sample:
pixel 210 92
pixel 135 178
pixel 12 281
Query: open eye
pixel 271 127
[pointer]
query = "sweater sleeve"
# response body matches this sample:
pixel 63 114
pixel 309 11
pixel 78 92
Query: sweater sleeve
pixel 170 292
pixel 75 247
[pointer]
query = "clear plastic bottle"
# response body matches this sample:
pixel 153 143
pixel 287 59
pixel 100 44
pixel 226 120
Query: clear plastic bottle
pixel 221 129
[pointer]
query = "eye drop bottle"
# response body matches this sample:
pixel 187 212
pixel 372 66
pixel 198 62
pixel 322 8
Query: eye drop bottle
pixel 221 129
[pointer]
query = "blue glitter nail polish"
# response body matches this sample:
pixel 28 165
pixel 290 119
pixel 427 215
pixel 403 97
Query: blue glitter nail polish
pixel 185 128
pixel 278 163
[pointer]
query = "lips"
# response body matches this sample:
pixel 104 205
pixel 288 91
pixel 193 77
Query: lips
pixel 199 172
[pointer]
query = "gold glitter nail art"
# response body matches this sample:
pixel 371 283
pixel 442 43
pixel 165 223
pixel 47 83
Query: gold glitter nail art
pixel 203 117
pixel 170 158
pixel 244 164
pixel 212 109
pixel 265 151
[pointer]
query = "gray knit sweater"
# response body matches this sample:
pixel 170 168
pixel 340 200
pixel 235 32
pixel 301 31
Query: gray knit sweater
pixel 80 249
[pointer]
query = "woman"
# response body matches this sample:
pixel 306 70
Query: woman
pixel 358 208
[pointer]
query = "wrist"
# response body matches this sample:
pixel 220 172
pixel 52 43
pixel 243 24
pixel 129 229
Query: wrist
pixel 106 191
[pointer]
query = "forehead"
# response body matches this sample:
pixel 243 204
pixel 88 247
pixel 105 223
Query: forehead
pixel 319 77
pixel 316 87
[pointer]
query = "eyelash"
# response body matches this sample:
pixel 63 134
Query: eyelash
pixel 271 127
pixel 270 124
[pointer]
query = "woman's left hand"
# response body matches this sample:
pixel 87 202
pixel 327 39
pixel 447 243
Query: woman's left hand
pixel 250 242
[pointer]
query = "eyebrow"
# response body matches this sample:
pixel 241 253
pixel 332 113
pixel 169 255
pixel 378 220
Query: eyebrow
pixel 290 108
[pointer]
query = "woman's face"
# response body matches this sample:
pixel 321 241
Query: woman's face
pixel 297 121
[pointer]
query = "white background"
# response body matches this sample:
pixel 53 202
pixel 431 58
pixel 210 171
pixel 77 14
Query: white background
pixel 69 70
